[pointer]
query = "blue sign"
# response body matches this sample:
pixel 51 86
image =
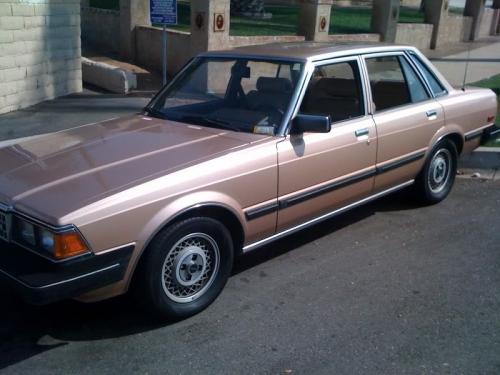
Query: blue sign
pixel 163 11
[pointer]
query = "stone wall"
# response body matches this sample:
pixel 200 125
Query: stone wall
pixel 149 45
pixel 485 27
pixel 240 41
pixel 454 29
pixel 339 3
pixel 411 3
pixel 149 48
pixel 415 34
pixel 101 28
pixel 341 38
pixel 40 54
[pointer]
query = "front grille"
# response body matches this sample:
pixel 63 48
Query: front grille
pixel 4 226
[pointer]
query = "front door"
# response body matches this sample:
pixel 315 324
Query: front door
pixel 321 172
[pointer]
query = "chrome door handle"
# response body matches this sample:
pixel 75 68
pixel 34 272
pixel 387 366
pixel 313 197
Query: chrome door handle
pixel 362 132
pixel 431 114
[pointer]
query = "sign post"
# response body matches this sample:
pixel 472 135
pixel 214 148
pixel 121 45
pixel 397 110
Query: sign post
pixel 163 12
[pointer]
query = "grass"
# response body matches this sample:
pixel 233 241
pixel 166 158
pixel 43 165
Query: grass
pixel 285 19
pixel 494 84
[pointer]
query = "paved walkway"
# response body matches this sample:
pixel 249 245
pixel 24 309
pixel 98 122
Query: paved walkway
pixel 484 61
pixel 67 112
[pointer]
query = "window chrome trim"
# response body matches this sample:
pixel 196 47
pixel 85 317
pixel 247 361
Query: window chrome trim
pixel 413 57
pixel 296 99
pixel 419 76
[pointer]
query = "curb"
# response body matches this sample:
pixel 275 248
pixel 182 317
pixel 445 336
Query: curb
pixel 108 77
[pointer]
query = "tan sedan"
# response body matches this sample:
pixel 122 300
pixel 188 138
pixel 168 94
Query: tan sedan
pixel 242 148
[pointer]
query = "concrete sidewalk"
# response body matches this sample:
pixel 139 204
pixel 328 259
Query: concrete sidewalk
pixel 68 112
pixel 483 56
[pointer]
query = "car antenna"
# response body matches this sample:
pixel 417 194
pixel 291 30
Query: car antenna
pixel 467 66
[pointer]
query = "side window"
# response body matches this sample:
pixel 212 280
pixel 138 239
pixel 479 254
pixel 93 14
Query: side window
pixel 335 90
pixel 436 86
pixel 393 82
pixel 418 92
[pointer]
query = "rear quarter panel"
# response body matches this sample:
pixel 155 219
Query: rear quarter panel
pixel 466 112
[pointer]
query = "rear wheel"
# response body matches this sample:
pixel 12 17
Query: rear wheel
pixel 436 179
pixel 186 267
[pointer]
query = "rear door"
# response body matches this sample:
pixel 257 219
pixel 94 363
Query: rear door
pixel 406 116
pixel 321 172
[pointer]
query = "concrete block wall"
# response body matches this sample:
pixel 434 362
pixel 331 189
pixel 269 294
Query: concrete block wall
pixel 101 28
pixel 40 51
pixel 485 28
pixel 454 29
pixel 150 47
pixel 415 34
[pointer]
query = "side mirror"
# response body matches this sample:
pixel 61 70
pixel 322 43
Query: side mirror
pixel 311 124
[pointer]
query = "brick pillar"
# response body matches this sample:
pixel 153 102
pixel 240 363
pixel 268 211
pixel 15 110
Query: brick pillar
pixel 132 13
pixel 314 19
pixel 210 21
pixel 385 17
pixel 474 9
pixel 436 12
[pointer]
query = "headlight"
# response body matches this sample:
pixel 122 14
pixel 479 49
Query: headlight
pixel 47 240
pixel 56 245
pixel 27 233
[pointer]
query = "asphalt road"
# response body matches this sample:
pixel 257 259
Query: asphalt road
pixel 389 288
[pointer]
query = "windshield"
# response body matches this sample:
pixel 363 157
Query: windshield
pixel 235 94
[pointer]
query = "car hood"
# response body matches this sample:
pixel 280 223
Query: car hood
pixel 56 174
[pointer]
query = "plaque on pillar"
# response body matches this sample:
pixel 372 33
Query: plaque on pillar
pixel 322 24
pixel 219 22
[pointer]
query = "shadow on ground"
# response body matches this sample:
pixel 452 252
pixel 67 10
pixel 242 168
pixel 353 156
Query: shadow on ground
pixel 26 330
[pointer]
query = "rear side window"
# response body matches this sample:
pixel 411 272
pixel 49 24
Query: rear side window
pixel 418 92
pixel 393 82
pixel 436 86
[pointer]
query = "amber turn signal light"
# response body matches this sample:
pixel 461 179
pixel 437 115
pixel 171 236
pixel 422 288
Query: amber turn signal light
pixel 68 244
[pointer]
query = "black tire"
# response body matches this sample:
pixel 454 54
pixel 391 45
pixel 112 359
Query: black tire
pixel 198 248
pixel 437 177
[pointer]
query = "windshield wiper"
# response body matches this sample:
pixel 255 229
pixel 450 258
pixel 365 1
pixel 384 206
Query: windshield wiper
pixel 155 113
pixel 206 120
pixel 219 123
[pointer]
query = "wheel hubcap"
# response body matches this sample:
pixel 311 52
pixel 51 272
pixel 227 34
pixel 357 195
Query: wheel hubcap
pixel 440 170
pixel 190 267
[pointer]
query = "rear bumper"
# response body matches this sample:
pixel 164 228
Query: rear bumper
pixel 491 133
pixel 40 281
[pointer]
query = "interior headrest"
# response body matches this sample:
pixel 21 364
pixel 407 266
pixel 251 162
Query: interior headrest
pixel 337 87
pixel 270 84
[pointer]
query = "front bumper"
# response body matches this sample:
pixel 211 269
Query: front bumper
pixel 40 281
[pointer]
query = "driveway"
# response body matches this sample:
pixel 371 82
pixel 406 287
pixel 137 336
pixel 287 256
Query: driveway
pixel 389 288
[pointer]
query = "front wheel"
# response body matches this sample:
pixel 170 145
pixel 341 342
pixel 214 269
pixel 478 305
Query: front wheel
pixel 436 179
pixel 186 267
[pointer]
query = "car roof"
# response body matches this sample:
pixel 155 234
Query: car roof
pixel 303 51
